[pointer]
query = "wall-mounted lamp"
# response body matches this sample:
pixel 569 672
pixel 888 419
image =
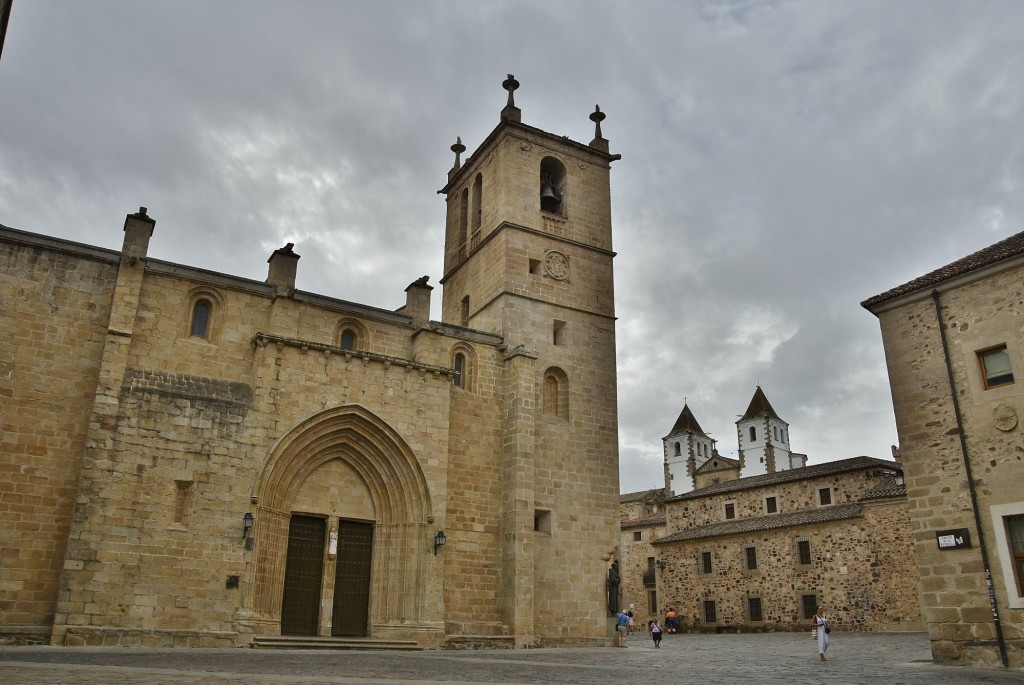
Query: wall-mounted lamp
pixel 439 541
pixel 247 522
pixel 659 564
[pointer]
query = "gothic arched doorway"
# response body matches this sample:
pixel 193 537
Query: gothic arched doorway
pixel 342 512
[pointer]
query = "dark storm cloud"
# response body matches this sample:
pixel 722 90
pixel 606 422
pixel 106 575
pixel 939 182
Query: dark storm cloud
pixel 781 162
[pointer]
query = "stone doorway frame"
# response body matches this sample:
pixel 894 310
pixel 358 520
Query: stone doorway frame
pixel 403 573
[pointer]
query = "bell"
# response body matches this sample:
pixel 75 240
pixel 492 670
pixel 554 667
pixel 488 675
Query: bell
pixel 548 197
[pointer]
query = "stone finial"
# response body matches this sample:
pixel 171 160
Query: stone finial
pixel 599 141
pixel 597 117
pixel 511 112
pixel 458 148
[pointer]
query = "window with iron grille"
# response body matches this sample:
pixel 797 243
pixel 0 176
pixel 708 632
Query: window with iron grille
pixel 750 557
pixel 754 609
pixel 706 565
pixel 808 606
pixel 803 551
pixel 710 611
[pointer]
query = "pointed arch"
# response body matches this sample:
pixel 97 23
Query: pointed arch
pixel 398 489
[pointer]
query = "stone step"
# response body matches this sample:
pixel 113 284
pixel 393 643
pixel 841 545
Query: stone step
pixel 310 642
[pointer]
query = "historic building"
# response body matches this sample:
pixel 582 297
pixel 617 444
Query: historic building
pixel 761 552
pixel 642 521
pixel 194 458
pixel 692 460
pixel 954 346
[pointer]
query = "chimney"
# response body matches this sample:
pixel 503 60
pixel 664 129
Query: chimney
pixel 283 265
pixel 138 229
pixel 417 302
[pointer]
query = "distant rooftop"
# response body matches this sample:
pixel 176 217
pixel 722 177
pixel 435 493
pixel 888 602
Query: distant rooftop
pixel 788 476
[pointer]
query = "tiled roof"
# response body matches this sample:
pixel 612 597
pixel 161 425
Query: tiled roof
pixel 886 487
pixel 788 476
pixel 1004 249
pixel 651 520
pixel 754 524
pixel 636 496
pixel 686 421
pixel 759 406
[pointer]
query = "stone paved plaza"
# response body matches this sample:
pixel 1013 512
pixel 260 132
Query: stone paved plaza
pixel 892 659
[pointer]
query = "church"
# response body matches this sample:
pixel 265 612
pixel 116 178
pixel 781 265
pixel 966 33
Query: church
pixel 191 458
pixel 757 543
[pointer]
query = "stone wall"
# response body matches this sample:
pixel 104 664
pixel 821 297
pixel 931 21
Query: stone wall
pixel 976 315
pixel 55 306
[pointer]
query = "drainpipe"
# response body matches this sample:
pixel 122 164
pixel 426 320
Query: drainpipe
pixel 970 485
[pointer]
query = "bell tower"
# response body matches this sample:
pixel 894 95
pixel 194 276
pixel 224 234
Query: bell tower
pixel 528 256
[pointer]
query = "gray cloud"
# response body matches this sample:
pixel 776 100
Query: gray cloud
pixel 781 162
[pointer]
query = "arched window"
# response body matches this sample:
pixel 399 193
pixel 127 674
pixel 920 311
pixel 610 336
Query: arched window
pixel 464 312
pixel 351 335
pixel 556 393
pixel 679 450
pixel 200 319
pixel 460 369
pixel 478 183
pixel 552 186
pixel 753 434
pixel 462 360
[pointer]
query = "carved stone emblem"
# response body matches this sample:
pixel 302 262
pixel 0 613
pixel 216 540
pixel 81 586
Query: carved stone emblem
pixel 1004 417
pixel 556 265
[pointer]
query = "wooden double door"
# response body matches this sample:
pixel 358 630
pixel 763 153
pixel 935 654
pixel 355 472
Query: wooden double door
pixel 308 559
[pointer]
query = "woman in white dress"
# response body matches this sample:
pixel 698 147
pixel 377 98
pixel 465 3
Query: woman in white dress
pixel 821 624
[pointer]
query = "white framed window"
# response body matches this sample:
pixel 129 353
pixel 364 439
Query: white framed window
pixel 1008 524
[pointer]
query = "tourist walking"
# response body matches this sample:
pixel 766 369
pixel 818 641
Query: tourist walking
pixel 820 624
pixel 656 633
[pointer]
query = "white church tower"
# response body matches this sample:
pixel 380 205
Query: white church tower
pixel 764 440
pixel 687 448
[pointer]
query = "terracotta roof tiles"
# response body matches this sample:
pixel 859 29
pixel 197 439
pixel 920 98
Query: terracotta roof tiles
pixel 1004 249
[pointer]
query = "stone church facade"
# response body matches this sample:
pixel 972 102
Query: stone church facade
pixel 194 458
pixel 954 346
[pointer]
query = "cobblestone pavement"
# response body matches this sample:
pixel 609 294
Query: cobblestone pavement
pixel 890 658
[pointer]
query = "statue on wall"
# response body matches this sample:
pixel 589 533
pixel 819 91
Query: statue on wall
pixel 613 588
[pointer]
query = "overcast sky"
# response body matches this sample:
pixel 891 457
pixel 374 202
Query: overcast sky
pixel 781 162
